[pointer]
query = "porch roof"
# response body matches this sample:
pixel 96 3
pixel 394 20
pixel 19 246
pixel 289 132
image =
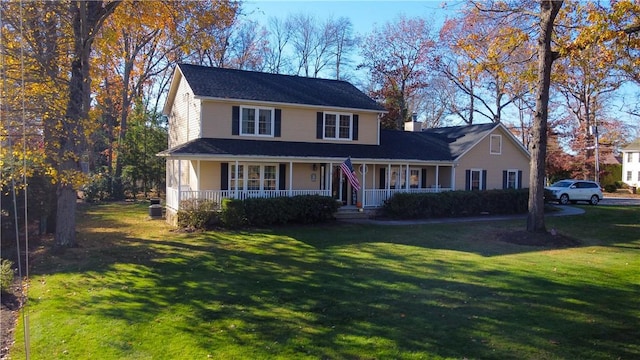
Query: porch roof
pixel 394 145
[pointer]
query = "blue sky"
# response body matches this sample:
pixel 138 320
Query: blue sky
pixel 363 14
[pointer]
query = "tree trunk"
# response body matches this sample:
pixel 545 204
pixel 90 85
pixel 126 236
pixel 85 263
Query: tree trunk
pixel 535 220
pixel 87 17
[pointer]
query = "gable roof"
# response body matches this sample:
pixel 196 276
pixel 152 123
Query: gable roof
pixel 633 146
pixel 436 145
pixel 461 139
pixel 231 84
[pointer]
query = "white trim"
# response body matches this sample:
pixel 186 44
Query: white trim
pixel 479 171
pixel 338 115
pixel 515 171
pixel 256 121
pixel 285 104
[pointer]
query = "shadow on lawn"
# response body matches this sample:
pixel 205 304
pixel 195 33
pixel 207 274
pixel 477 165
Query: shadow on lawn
pixel 331 306
pixel 293 292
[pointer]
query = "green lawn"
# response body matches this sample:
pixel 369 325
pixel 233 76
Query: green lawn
pixel 135 289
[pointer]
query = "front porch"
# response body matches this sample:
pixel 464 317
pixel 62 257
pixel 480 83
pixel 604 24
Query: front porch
pixel 372 198
pixel 219 180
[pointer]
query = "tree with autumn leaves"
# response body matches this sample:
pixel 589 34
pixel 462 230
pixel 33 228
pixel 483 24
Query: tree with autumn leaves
pixel 71 47
pixel 95 108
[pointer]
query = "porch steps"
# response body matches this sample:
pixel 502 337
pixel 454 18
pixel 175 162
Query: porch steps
pixel 352 212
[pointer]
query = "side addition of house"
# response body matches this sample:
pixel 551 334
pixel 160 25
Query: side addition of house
pixel 239 134
pixel 631 164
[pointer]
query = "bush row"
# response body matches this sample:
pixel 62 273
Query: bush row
pixel 456 204
pixel 303 209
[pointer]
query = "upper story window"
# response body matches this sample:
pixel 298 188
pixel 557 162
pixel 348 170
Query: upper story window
pixel 256 121
pixel 337 126
pixel 495 144
pixel 629 157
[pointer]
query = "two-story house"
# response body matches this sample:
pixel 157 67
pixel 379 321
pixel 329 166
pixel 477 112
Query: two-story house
pixel 631 164
pixel 239 134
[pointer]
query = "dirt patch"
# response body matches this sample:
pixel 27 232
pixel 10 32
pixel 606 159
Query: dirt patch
pixel 551 239
pixel 9 309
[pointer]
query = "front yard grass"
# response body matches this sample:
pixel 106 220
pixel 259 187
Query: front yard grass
pixel 136 289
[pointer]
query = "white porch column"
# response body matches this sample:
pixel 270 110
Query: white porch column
pixel 364 182
pixel 406 177
pixel 290 177
pixel 437 177
pixel 236 189
pixel 198 175
pixel 179 183
pixel 453 177
pixel 388 180
pixel 330 179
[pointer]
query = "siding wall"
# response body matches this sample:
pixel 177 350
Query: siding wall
pixel 298 123
pixel 480 157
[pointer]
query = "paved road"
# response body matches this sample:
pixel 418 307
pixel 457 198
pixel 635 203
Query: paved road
pixel 620 201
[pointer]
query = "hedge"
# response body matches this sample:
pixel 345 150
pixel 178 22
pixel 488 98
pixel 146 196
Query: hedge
pixel 234 213
pixel 456 204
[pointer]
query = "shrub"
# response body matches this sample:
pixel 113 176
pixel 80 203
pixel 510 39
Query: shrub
pixel 303 209
pixel 611 188
pixel 456 204
pixel 197 214
pixel 6 275
pixel 233 213
pixel 97 188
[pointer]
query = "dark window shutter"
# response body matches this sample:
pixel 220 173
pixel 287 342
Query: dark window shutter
pixel 519 186
pixel 319 118
pixel 467 180
pixel 424 179
pixel 355 127
pixel 383 178
pixel 224 176
pixel 484 179
pixel 278 123
pixel 282 179
pixel 235 120
pixel 504 179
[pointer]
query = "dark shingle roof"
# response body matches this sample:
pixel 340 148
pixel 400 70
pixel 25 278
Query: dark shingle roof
pixel 460 138
pixel 250 85
pixel 442 144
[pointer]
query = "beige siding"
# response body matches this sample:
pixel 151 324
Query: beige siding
pixel 480 157
pixel 298 124
pixel 181 117
pixel 209 175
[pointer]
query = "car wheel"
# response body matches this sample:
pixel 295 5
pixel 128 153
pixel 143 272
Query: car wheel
pixel 564 199
pixel 594 200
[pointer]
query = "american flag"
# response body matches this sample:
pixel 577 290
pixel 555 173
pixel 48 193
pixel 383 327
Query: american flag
pixel 347 169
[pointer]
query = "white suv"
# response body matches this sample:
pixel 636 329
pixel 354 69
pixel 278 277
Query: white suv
pixel 566 191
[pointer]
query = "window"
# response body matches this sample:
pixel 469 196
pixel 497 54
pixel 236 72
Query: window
pixel 629 157
pixel 629 175
pixel 399 175
pixel 476 179
pixel 495 145
pixel 414 178
pixel 512 179
pixel 258 177
pixel 337 126
pixel 236 182
pixel 256 121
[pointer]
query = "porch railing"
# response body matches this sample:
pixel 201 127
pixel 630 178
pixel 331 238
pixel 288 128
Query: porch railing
pixel 372 197
pixel 174 197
